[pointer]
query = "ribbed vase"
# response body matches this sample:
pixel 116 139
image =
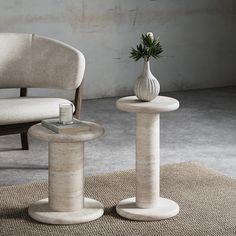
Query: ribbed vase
pixel 146 87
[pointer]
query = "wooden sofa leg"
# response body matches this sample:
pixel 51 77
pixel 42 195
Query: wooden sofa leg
pixel 24 141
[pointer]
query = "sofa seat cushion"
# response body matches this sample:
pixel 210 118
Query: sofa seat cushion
pixel 28 109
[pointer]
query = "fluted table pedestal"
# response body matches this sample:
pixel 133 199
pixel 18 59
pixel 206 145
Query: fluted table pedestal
pixel 66 203
pixel 147 205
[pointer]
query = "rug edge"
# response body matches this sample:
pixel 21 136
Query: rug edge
pixel 189 163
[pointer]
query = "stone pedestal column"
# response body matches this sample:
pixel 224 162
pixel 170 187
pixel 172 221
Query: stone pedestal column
pixel 147 160
pixel 147 205
pixel 66 203
pixel 66 177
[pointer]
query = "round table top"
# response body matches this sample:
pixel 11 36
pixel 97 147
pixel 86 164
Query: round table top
pixel 158 105
pixel 40 132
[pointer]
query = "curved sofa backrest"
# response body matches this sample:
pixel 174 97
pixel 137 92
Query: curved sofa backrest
pixel 32 61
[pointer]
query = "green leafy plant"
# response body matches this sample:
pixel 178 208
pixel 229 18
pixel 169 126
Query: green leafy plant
pixel 149 47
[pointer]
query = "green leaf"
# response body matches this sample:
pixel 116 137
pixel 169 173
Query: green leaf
pixel 147 48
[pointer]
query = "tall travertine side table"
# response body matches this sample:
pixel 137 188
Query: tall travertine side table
pixel 147 205
pixel 66 203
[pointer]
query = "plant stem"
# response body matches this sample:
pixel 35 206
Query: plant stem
pixel 146 58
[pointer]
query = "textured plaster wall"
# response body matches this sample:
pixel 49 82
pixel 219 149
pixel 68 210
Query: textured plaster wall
pixel 198 38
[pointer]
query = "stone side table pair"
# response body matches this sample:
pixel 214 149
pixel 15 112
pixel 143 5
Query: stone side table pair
pixel 66 203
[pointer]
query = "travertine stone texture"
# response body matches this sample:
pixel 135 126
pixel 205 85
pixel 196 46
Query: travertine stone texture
pixel 165 209
pixel 39 132
pixel 147 205
pixel 147 160
pixel 66 203
pixel 66 179
pixel 158 105
pixel 41 212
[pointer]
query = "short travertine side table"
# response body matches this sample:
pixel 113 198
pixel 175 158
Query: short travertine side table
pixel 66 203
pixel 147 205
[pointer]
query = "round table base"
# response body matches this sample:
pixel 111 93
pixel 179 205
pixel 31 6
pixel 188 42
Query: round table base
pixel 165 209
pixel 40 211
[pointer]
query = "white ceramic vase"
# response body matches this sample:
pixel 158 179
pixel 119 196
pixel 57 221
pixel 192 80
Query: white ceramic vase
pixel 146 87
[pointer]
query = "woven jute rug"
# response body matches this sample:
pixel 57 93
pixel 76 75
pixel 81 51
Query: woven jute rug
pixel 206 198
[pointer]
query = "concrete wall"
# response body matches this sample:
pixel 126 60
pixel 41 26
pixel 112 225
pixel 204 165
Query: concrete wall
pixel 198 38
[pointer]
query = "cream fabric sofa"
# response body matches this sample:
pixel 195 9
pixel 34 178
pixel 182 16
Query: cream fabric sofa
pixel 33 61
